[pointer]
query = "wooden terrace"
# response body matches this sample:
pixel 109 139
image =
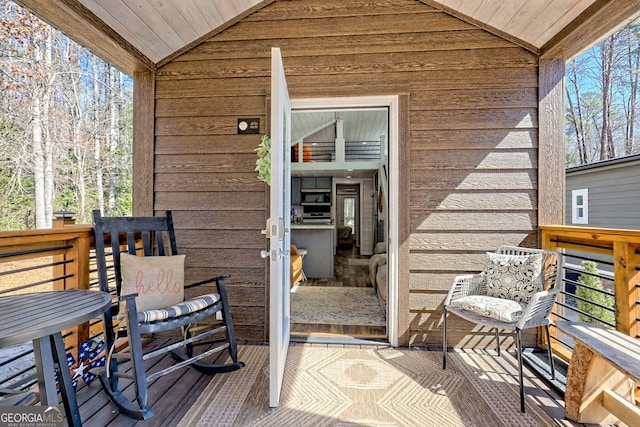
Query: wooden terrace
pixel 65 252
pixel 478 151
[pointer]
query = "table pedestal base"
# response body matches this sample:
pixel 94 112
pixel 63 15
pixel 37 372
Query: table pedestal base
pixel 43 349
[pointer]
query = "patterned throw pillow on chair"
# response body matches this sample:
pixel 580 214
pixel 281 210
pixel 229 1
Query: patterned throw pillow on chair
pixel 158 280
pixel 513 277
pixel 502 309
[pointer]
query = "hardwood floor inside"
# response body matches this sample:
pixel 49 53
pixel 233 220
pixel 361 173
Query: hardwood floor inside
pixel 346 274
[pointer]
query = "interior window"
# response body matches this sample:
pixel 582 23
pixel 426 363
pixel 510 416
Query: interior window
pixel 349 210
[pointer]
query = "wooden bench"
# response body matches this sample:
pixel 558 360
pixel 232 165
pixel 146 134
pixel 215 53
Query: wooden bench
pixel 603 372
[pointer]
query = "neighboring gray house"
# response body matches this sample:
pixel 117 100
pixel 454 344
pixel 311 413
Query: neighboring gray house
pixel 604 194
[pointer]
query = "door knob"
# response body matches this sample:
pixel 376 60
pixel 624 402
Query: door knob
pixel 265 254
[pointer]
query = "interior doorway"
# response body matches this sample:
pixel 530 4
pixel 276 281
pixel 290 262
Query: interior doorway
pixel 348 212
pixel 355 192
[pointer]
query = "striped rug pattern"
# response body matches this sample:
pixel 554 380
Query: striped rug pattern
pixel 327 386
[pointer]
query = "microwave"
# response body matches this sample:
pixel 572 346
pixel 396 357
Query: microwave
pixel 316 198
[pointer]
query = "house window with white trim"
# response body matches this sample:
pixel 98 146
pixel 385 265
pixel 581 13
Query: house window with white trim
pixel 580 206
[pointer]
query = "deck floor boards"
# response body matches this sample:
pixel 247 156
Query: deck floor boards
pixel 172 395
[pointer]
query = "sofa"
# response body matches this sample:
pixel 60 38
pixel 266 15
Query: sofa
pixel 381 284
pixel 345 236
pixel 378 273
pixel 296 266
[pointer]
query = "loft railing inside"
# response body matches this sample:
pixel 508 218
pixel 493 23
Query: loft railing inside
pixel 43 260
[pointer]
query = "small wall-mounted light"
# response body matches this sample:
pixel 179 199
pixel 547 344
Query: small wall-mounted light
pixel 248 126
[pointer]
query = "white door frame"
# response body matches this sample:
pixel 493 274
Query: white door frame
pixel 391 102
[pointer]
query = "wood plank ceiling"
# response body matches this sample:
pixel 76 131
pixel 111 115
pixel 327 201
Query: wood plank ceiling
pixel 137 35
pixel 534 22
pixel 160 28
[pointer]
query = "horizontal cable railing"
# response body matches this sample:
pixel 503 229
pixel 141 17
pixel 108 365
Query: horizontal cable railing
pixel 601 280
pixel 40 261
pixel 61 258
pixel 610 283
pixel 586 296
pixel 17 366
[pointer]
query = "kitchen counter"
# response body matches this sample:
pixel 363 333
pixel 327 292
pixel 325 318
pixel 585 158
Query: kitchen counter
pixel 304 226
pixel 320 242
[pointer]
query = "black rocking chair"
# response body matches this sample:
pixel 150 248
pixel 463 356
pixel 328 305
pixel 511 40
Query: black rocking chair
pixel 154 237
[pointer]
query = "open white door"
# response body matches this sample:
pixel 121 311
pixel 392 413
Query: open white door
pixel 278 232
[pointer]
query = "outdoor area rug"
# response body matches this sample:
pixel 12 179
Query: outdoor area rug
pixel 329 305
pixel 349 386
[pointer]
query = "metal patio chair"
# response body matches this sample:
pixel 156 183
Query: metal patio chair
pixel 147 274
pixel 493 299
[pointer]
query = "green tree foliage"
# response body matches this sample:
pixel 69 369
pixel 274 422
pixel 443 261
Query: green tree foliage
pixel 83 118
pixel 595 301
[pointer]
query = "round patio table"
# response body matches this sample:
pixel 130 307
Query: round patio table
pixel 41 317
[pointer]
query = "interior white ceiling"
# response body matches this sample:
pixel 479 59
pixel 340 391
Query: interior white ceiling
pixel 365 132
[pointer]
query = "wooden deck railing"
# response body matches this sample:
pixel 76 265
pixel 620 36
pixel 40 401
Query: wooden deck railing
pixel 48 259
pixel 622 247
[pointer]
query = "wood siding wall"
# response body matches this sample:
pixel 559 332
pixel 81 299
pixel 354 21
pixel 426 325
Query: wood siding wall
pixel 472 182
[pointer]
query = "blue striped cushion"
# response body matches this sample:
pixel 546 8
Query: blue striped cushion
pixel 186 307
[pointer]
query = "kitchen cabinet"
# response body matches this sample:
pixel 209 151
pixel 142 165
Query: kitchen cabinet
pixel 316 182
pixel 323 182
pixel 308 182
pixel 296 186
pixel 319 241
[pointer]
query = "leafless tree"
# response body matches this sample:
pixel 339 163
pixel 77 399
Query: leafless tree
pixel 59 105
pixel 602 93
